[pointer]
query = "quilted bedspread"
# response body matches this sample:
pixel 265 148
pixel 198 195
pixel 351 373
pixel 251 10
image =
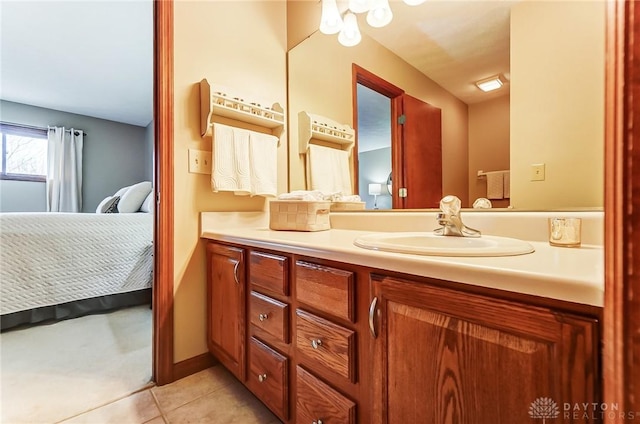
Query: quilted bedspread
pixel 52 258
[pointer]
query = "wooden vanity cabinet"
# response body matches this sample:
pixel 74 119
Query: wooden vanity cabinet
pixel 444 356
pixel 321 341
pixel 226 337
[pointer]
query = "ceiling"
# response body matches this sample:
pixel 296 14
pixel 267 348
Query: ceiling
pixel 95 57
pixel 89 57
pixel 454 42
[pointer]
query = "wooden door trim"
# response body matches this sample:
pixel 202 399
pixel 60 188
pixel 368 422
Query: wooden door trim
pixel 622 205
pixel 374 82
pixel 163 366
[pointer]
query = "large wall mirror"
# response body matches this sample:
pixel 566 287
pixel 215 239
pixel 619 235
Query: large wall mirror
pixel 550 110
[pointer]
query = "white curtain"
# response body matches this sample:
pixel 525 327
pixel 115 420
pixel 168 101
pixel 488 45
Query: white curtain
pixel 64 170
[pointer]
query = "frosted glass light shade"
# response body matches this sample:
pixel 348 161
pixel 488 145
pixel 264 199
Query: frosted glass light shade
pixel 414 2
pixel 350 34
pixel 375 189
pixel 490 84
pixel 330 21
pixel 359 6
pixel 380 13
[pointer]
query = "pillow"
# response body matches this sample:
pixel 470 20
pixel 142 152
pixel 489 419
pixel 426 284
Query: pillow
pixel 108 205
pixel 147 205
pixel 112 205
pixel 105 204
pixel 122 191
pixel 132 199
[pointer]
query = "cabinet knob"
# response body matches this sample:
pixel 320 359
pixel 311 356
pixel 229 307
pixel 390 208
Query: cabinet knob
pixel 317 421
pixel 263 317
pixel 262 377
pixel 316 343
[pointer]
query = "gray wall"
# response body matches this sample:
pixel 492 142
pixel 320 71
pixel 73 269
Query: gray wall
pixel 374 167
pixel 114 155
pixel 148 148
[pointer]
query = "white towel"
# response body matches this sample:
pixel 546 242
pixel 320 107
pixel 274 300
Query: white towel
pixel 495 185
pixel 230 160
pixel 328 170
pixel 263 157
pixel 507 184
pixel 302 195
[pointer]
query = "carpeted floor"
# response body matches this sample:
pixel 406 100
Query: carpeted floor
pixel 51 372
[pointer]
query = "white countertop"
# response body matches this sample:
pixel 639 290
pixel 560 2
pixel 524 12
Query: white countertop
pixel 568 274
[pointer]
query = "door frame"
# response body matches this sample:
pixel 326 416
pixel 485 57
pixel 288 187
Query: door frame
pixel 162 301
pixel 621 358
pixel 621 344
pixel 359 75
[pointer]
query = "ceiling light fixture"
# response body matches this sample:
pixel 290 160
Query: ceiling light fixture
pixel 350 33
pixel 491 83
pixel 358 6
pixel 378 12
pixel 331 21
pixel 414 2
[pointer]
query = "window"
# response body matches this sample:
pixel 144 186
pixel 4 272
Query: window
pixel 24 153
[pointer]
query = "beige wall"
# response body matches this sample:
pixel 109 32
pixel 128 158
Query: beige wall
pixel 236 44
pixel 303 17
pixel 320 82
pixel 488 144
pixel 557 103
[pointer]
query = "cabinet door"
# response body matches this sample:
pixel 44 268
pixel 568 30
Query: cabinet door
pixel 442 356
pixel 226 306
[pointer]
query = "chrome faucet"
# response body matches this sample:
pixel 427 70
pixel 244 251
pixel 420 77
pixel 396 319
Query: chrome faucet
pixel 449 218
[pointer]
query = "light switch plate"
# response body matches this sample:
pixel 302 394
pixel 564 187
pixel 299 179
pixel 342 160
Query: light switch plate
pixel 199 161
pixel 537 172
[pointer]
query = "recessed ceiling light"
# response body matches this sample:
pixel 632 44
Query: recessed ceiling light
pixel 490 84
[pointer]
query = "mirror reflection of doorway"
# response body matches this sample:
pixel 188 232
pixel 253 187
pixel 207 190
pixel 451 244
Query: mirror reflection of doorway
pixel 384 113
pixel 374 147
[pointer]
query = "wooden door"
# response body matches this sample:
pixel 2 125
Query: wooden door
pixel 226 306
pixel 443 356
pixel 421 152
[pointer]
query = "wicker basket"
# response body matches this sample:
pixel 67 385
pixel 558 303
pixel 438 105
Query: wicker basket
pixel 299 215
pixel 347 206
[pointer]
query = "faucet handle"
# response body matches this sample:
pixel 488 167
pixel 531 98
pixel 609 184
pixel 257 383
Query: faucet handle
pixel 450 205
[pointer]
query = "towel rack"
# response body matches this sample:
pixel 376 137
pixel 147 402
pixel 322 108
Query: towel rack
pixel 316 127
pixel 234 107
pixel 482 173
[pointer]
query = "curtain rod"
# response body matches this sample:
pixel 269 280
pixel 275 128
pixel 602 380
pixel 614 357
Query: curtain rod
pixel 33 127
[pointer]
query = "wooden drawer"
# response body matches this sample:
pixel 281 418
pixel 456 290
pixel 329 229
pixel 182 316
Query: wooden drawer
pixel 317 402
pixel 270 315
pixel 268 377
pixel 325 288
pixel 269 272
pixel 327 344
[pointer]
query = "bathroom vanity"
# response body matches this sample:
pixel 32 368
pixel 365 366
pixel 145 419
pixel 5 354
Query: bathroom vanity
pixel 325 332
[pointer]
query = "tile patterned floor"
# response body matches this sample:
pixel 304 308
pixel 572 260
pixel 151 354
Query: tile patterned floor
pixel 212 396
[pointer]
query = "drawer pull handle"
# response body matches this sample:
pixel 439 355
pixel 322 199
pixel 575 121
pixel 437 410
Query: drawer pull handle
pixel 235 273
pixel 317 421
pixel 263 317
pixel 372 312
pixel 316 343
pixel 262 377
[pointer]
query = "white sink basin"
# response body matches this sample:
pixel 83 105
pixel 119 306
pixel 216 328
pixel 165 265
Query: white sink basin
pixel 425 243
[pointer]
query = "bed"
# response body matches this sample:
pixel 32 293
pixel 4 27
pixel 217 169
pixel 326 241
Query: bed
pixel 62 265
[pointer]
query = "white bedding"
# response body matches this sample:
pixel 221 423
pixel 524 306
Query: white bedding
pixel 52 258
